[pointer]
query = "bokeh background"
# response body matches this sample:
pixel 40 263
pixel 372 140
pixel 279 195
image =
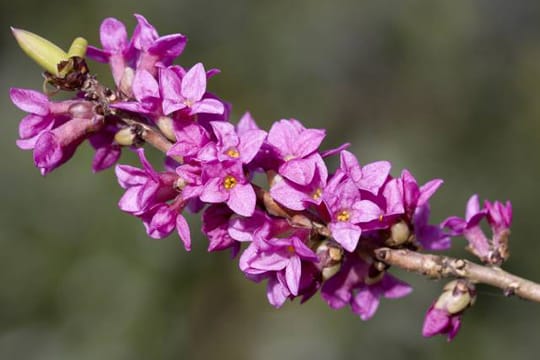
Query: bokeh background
pixel 447 89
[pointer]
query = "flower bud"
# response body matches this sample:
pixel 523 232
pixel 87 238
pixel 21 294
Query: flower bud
pixel 457 296
pixel 399 234
pixel 42 51
pixel 330 257
pixel 78 47
pixel 444 315
pixel 124 137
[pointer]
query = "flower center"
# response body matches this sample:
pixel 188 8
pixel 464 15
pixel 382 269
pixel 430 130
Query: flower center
pixel 232 152
pixel 290 249
pixel 343 216
pixel 229 182
pixel 317 194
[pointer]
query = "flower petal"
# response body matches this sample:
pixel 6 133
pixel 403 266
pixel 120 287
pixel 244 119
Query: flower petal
pixel 183 231
pixel 194 83
pixel 242 199
pixel 113 35
pixel 208 106
pixel 30 101
pixel 292 274
pixel 276 293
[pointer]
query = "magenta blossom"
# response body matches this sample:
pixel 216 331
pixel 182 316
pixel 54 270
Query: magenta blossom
pixel 216 221
pixel 431 237
pixel 444 315
pixel 499 217
pixel 361 286
pixel 293 144
pixel 144 187
pixel 225 182
pixel 231 146
pixel 369 178
pixel 187 93
pixel 152 197
pixel 118 51
pixel 146 92
pixel 347 210
pixel 192 138
pixel 299 197
pixel 42 115
pixel 53 130
pixel 280 261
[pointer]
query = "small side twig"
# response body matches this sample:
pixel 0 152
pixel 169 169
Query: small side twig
pixel 435 266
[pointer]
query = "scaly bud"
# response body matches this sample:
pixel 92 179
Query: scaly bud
pixel 330 257
pixel 42 51
pixel 399 234
pixel 456 297
pixel 125 137
pixel 78 47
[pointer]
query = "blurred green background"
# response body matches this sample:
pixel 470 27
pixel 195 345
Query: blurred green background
pixel 446 89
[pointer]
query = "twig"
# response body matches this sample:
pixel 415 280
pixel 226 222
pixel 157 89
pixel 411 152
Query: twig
pixel 435 266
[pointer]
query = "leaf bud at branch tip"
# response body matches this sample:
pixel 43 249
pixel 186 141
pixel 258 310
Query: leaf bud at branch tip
pixel 42 51
pixel 78 47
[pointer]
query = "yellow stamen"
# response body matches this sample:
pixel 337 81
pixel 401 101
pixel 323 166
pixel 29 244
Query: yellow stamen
pixel 343 216
pixel 232 152
pixel 317 194
pixel 229 182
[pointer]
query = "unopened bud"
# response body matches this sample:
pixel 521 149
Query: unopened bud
pixel 42 51
pixel 399 234
pixel 125 137
pixel 330 257
pixel 457 296
pixel 165 124
pixel 78 47
pixel 180 183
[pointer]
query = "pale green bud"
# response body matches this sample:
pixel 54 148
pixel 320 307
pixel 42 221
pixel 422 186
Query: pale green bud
pixel 124 137
pixel 78 47
pixel 457 296
pixel 42 51
pixel 399 234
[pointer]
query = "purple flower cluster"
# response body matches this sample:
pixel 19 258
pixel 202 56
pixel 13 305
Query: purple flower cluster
pixel 310 229
pixel 54 130
pixel 499 217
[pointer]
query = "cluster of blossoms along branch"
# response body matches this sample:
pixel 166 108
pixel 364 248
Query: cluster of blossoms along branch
pixel 309 230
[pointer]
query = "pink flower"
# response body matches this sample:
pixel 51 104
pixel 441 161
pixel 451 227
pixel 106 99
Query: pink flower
pixel 187 93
